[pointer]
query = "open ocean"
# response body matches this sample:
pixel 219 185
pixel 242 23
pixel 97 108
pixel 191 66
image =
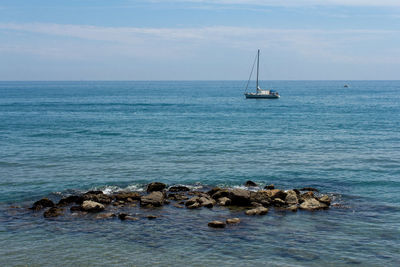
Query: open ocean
pixel 63 137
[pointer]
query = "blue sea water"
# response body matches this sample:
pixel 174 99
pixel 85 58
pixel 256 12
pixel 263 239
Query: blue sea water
pixel 63 137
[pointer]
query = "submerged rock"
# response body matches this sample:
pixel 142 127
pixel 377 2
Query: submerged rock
pixel 250 184
pixel 309 189
pixel 108 215
pixel 127 217
pixel 69 200
pixel 257 211
pixel 216 224
pixel 53 212
pixel 92 206
pixel 43 203
pixel 152 217
pixel 156 186
pixel 233 221
pixel 154 199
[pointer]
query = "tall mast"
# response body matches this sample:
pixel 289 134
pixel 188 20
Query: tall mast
pixel 258 59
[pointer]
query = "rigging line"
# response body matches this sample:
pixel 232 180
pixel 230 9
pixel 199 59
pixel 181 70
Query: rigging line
pixel 251 73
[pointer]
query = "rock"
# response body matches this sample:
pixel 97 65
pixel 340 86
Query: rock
pixel 43 203
pixel 106 216
pixel 312 204
pixel 309 189
pixel 75 208
pixel 192 201
pixel 127 217
pixel 291 198
pixel 305 196
pixel 257 211
pixel 92 206
pixel 271 186
pixel 292 208
pixel 100 197
pixel 151 217
pixel 53 212
pixel 250 184
pixel 156 186
pixel 206 202
pixel 155 199
pixel 233 221
pixel 178 206
pixel 224 201
pixel 220 193
pixel 240 197
pixel 69 200
pixel 94 192
pixel 276 193
pixel 127 196
pixel 261 196
pixel 194 205
pixel 216 224
pixel 256 204
pixel 213 191
pixel 177 197
pixel 325 199
pixel 178 188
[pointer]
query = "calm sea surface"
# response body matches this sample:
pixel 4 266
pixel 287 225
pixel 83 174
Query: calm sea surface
pixel 62 137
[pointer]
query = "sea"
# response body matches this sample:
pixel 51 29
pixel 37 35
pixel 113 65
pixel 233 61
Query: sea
pixel 59 138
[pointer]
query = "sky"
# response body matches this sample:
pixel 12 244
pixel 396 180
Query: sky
pixel 199 39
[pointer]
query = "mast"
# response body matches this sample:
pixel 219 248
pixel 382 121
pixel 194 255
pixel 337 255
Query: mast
pixel 258 59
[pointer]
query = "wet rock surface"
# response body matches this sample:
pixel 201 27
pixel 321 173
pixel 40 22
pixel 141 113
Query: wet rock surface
pixel 124 205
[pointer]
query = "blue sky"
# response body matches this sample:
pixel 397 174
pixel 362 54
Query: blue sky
pixel 199 39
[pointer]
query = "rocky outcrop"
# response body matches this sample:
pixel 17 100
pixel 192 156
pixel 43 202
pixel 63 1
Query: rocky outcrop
pixel 257 211
pixel 154 199
pixel 53 212
pixel 312 204
pixel 92 206
pixel 216 224
pixel 240 197
pixel 291 198
pixel 156 186
pixel 43 203
pixel 197 202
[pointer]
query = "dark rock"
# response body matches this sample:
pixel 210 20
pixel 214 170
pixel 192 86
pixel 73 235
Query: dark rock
pixel 206 202
pixel 250 184
pixel 260 196
pixel 43 203
pixel 122 216
pixel 75 208
pixel 257 211
pixel 156 186
pixel 297 192
pixel 305 196
pixel 213 191
pixel 233 221
pixel 177 197
pixel 221 193
pixel 240 197
pixel 276 193
pixel 152 217
pixel 154 199
pixel 192 201
pixel 127 217
pixel 53 212
pixel 277 202
pixel 178 188
pixel 216 224
pixel 69 200
pixel 270 187
pixel 100 197
pixel 127 196
pixel 92 206
pixel 94 192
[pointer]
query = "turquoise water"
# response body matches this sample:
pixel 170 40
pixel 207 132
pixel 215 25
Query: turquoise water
pixel 62 137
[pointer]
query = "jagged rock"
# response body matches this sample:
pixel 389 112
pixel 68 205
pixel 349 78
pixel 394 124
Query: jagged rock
pixel 276 193
pixel 92 206
pixel 155 199
pixel 216 224
pixel 305 196
pixel 277 202
pixel 250 184
pixel 178 188
pixel 224 201
pixel 291 198
pixel 53 212
pixel 270 187
pixel 219 193
pixel 312 204
pixel 309 189
pixel 177 197
pixel 233 221
pixel 206 202
pixel 261 196
pixel 69 200
pixel 240 197
pixel 325 199
pixel 127 196
pixel 156 186
pixel 106 215
pixel 98 197
pixel 43 203
pixel 192 201
pixel 257 211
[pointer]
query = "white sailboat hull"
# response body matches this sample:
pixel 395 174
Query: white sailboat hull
pixel 254 95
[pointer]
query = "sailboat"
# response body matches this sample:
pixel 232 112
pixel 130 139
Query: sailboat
pixel 260 93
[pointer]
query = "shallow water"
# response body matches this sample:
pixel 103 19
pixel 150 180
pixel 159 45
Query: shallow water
pixel 61 137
